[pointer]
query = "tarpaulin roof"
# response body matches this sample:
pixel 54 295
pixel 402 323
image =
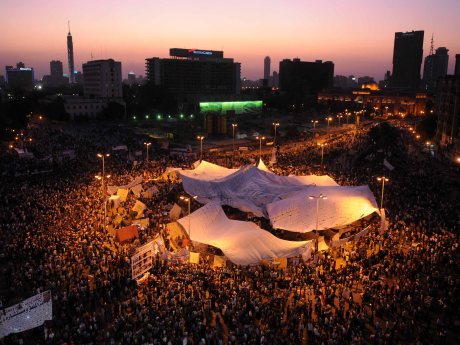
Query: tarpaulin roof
pixel 243 243
pixel 249 188
pixel 344 205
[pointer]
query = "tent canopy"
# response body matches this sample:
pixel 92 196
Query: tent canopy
pixel 344 205
pixel 249 188
pixel 243 243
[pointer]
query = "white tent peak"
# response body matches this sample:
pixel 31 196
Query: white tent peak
pixel 261 165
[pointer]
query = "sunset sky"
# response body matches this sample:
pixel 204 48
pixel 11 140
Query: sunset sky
pixel 357 35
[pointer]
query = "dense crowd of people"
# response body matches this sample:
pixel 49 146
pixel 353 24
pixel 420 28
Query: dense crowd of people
pixel 400 286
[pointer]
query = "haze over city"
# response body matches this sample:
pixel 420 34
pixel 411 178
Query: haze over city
pixel 358 36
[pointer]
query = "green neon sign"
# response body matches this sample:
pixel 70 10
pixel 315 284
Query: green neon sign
pixel 239 107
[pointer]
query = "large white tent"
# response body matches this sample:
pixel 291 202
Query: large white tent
pixel 243 243
pixel 344 205
pixel 249 188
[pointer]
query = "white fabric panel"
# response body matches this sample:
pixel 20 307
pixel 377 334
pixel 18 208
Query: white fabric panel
pixel 249 188
pixel 343 206
pixel 243 243
pixel 206 171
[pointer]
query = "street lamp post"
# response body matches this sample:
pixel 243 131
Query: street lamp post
pixel 382 179
pixel 104 194
pixel 339 117
pixel 328 119
pixel 200 138
pixel 234 125
pixel 314 123
pixel 260 138
pixel 317 198
pixel 103 156
pixel 275 124
pixel 347 115
pixel 322 153
pixel 147 145
pixel 188 200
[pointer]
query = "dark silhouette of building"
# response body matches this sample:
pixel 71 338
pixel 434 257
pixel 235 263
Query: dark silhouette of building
pixel 102 79
pixel 300 79
pixel 448 111
pixel 20 78
pixel 70 57
pixel 56 77
pixel 457 65
pixel 435 67
pixel 195 74
pixel 381 102
pixel 267 62
pixel 407 59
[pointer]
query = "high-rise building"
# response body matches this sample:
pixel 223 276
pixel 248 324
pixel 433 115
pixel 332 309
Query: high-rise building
pixel 19 78
pixel 407 59
pixel 457 65
pixel 195 74
pixel 300 79
pixel 275 79
pixel 448 111
pixel 70 57
pixel 435 67
pixel 56 76
pixel 102 79
pixel 267 62
pixel 56 69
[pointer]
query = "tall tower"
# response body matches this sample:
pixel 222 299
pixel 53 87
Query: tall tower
pixel 407 59
pixel 70 57
pixel 267 62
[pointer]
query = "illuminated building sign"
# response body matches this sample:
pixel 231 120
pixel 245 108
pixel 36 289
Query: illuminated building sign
pixel 200 52
pixel 239 107
pixel 180 52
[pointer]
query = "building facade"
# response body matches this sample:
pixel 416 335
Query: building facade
pixel 435 67
pixel 447 107
pixel 457 65
pixel 103 79
pixel 195 74
pixel 56 76
pixel 301 79
pixel 407 60
pixel 267 63
pixel 20 78
pixel 382 102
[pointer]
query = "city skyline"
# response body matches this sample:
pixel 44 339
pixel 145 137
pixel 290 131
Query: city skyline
pixel 358 38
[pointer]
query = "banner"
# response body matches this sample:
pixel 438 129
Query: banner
pixel 219 261
pixel 388 165
pixel 142 260
pixel 28 314
pixel 194 258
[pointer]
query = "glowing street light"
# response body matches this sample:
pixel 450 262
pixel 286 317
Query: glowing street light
pixel 234 125
pixel 147 145
pixel 382 179
pixel 317 198
pixel 200 138
pixel 328 119
pixel 260 138
pixel 322 152
pixel 314 123
pixel 103 156
pixel 275 124
pixel 347 115
pixel 339 117
pixel 187 200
